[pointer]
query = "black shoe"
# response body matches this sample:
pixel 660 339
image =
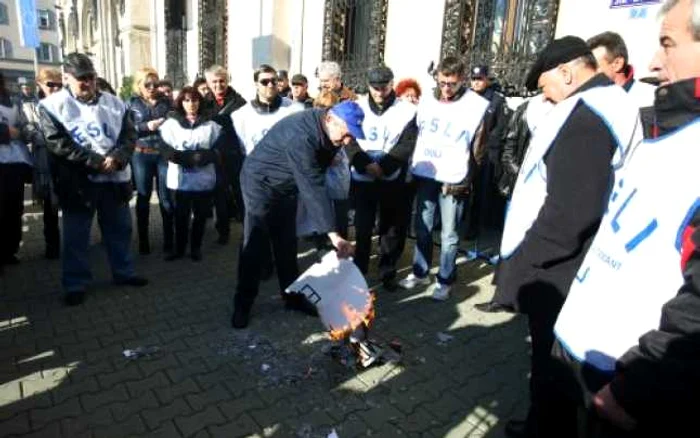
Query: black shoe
pixel 240 318
pixel 492 307
pixel 196 255
pixel 144 248
pixel 134 281
pixel 518 429
pixel 299 303
pixel 223 239
pixel 389 283
pixel 171 257
pixel 74 298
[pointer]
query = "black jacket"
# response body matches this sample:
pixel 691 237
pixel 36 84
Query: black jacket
pixel 398 156
pixel 494 123
pixel 308 102
pixel 74 163
pixel 141 113
pixel 291 160
pixel 539 273
pixel 221 114
pixel 659 379
pixel 515 143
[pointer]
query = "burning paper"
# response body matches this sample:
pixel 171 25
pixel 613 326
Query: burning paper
pixel 340 293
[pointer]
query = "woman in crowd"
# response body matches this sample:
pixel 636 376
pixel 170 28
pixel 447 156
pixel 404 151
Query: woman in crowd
pixel 148 112
pixel 15 171
pixel 191 144
pixel 408 90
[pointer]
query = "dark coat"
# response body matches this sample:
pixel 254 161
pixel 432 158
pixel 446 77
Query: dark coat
pixel 141 113
pixel 515 143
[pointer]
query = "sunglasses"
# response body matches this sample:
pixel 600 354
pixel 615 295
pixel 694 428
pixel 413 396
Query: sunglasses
pixel 86 77
pixel 150 84
pixel 268 82
pixel 53 84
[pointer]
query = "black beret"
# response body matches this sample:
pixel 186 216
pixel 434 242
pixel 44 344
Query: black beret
pixel 557 52
pixel 379 76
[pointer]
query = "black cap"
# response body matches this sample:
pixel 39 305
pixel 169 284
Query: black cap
pixel 299 79
pixel 556 53
pixel 78 64
pixel 282 74
pixel 480 71
pixel 379 76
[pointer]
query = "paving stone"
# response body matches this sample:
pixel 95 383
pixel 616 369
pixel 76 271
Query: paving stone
pixel 53 430
pixel 199 421
pixel 69 408
pixel 121 411
pixel 213 396
pixel 139 387
pixel 68 390
pixel 131 427
pixel 378 416
pixel 18 424
pixel 234 408
pixel 115 394
pixel 168 394
pixel 181 372
pixel 155 417
pixel 168 430
pixel 242 426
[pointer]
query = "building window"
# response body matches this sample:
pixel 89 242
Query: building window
pixel 4 18
pixel 46 52
pixel 5 48
pixel 44 19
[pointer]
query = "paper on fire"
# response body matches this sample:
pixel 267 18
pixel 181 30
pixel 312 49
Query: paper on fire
pixel 340 293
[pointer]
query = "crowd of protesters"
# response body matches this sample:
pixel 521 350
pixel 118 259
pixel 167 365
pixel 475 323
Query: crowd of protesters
pixel 595 170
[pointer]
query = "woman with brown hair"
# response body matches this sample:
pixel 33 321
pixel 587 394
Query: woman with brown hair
pixel 148 111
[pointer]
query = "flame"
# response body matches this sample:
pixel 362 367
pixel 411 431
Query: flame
pixel 355 318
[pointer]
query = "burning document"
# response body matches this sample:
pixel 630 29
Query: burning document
pixel 340 293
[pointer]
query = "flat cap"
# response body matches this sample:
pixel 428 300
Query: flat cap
pixel 299 79
pixel 480 71
pixel 379 76
pixel 557 52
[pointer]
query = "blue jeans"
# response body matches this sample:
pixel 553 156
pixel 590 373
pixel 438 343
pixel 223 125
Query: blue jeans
pixel 146 167
pixel 429 197
pixel 114 219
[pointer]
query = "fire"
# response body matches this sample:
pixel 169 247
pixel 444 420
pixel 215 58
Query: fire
pixel 356 318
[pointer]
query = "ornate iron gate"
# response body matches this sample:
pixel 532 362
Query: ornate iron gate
pixel 176 46
pixel 212 27
pixel 506 35
pixel 354 35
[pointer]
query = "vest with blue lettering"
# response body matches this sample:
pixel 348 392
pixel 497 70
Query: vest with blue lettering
pixel 613 105
pixel 95 127
pixel 251 126
pixel 15 151
pixel 201 137
pixel 445 132
pixel 382 132
pixel 634 264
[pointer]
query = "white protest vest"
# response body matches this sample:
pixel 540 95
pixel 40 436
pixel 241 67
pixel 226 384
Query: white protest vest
pixel 642 94
pixel 612 104
pixel 382 132
pixel 203 137
pixel 634 264
pixel 251 126
pixel 445 132
pixel 94 127
pixel 15 151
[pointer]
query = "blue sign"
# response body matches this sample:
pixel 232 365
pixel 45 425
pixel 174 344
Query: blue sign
pixel 28 27
pixel 632 3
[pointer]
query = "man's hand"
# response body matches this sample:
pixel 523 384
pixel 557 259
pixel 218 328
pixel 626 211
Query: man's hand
pixel 155 124
pixel 14 132
pixel 375 170
pixel 109 165
pixel 344 248
pixel 607 407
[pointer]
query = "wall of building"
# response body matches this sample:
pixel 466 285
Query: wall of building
pixel 638 25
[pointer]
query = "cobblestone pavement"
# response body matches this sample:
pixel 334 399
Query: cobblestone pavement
pixel 63 372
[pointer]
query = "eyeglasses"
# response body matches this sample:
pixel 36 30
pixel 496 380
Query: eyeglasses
pixel 452 85
pixel 53 84
pixel 88 77
pixel 268 81
pixel 150 84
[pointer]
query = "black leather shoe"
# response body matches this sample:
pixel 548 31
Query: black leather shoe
pixel 518 429
pixel 492 307
pixel 132 281
pixel 172 257
pixel 74 298
pixel 299 303
pixel 196 256
pixel 240 318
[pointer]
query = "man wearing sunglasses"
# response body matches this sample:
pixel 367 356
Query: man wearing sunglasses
pixel 91 138
pixel 289 165
pixel 447 124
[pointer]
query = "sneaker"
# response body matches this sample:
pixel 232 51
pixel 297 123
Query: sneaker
pixel 413 280
pixel 441 292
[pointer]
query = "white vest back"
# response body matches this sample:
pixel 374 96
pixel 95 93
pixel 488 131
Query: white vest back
pixel 94 127
pixel 619 113
pixel 382 132
pixel 634 264
pixel 445 132
pixel 642 94
pixel 15 151
pixel 203 137
pixel 251 126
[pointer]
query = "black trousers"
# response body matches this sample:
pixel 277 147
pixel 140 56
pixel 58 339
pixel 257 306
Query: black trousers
pixel 392 201
pixel 194 206
pixel 52 235
pixel 12 179
pixel 228 199
pixel 268 221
